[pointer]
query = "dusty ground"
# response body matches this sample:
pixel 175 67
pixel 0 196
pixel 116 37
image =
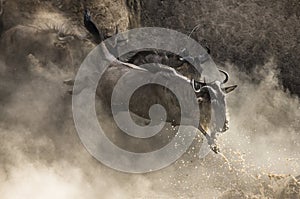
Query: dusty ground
pixel 257 42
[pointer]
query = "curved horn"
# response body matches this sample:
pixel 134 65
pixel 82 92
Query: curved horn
pixel 226 76
pixel 194 29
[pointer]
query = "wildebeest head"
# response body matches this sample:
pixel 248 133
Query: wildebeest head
pixel 49 45
pixel 211 98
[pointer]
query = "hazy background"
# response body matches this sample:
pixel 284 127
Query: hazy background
pixel 41 155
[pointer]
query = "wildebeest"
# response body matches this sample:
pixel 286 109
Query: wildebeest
pixel 207 93
pixel 151 94
pixel 51 46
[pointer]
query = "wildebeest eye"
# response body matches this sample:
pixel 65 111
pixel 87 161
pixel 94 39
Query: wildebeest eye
pixel 196 86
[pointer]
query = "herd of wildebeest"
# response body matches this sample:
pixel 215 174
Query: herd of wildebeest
pixel 25 46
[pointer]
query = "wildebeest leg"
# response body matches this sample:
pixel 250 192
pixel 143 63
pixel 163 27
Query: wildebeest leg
pixel 211 139
pixel 213 145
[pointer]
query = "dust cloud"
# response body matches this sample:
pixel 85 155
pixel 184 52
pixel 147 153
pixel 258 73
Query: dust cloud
pixel 42 157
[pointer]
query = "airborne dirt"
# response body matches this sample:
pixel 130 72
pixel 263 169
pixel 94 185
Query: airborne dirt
pixel 42 157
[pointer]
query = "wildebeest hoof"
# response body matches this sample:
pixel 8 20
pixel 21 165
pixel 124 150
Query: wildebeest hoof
pixel 215 148
pixel 213 145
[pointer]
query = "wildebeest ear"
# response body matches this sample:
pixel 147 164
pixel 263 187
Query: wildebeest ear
pixel 229 89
